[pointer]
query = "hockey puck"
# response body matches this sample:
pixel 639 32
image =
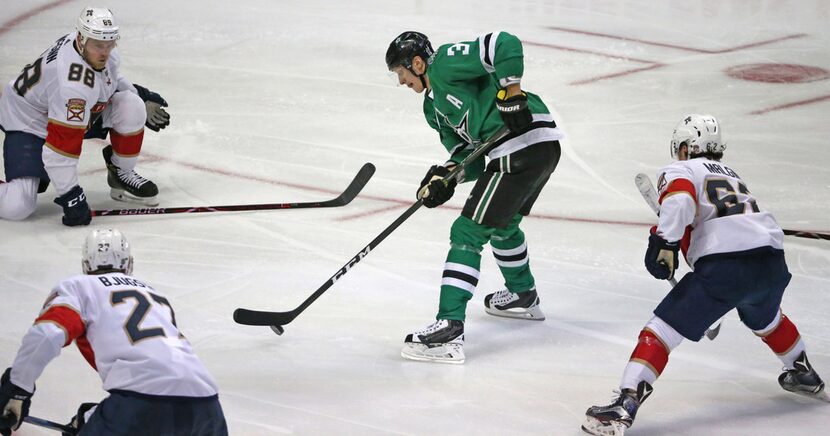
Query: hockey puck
pixel 277 329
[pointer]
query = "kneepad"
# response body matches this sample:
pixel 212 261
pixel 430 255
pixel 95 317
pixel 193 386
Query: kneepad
pixel 126 113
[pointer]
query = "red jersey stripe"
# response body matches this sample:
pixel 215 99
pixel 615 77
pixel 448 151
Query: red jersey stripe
pixel 64 139
pixel 67 319
pixel 680 186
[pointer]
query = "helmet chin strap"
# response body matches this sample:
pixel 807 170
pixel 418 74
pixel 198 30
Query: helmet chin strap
pixel 423 81
pixel 419 76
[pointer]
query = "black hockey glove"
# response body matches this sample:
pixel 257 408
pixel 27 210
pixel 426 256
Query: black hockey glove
pixel 157 117
pixel 661 257
pixel 435 190
pixel 79 420
pixel 75 208
pixel 514 111
pixel 14 404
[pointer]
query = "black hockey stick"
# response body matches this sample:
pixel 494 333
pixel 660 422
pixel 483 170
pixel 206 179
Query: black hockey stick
pixel 646 189
pixel 50 425
pixel 278 319
pixel 343 199
pixel 807 234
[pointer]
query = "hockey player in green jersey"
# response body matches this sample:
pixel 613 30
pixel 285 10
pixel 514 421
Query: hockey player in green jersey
pixel 472 90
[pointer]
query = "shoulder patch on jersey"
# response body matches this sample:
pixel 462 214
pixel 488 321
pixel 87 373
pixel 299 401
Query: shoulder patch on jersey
pixel 75 109
pixel 661 182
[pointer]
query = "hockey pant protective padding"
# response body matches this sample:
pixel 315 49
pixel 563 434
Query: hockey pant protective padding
pixel 752 281
pixel 511 184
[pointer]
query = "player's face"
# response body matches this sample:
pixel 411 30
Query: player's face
pixel 97 53
pixel 405 77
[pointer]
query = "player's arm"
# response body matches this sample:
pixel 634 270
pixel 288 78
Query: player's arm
pixel 69 111
pixel 57 326
pixel 503 56
pixel 678 205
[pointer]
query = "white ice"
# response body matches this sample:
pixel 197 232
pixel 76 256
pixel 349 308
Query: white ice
pixel 283 101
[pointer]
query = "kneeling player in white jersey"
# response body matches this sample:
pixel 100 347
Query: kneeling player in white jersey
pixel 736 250
pixel 127 331
pixel 74 91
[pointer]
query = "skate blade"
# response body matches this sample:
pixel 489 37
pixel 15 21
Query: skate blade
pixel 821 395
pixel 531 314
pixel 598 428
pixel 121 195
pixel 447 353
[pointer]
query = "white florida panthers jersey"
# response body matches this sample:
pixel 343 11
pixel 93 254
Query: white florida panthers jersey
pixel 57 97
pixel 124 328
pixel 708 203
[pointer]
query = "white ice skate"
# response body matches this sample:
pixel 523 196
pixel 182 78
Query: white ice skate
pixel 441 342
pixel 521 305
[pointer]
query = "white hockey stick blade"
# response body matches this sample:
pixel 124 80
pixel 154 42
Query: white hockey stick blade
pixel 646 189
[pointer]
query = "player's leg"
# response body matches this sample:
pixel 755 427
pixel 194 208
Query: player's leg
pixel 125 118
pixel 504 194
pixel 443 340
pixel 25 175
pixel 662 334
pixel 208 419
pixel 519 298
pixel 761 312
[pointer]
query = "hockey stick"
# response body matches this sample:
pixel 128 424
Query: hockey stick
pixel 276 320
pixel 806 234
pixel 50 425
pixel 646 189
pixel 343 199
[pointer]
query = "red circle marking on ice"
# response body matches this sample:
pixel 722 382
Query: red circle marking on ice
pixel 777 73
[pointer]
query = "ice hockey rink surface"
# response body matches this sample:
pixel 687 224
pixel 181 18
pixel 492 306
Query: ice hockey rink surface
pixel 283 101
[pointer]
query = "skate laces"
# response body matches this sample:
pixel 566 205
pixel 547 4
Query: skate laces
pixel 432 328
pixel 503 297
pixel 131 178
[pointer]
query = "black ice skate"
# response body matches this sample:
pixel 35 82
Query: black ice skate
pixel 522 305
pixel 803 379
pixel 615 418
pixel 441 341
pixel 127 185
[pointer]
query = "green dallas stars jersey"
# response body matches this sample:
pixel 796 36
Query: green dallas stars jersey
pixel 461 105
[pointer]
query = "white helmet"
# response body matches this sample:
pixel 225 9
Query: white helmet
pixel 700 133
pixel 106 249
pixel 97 23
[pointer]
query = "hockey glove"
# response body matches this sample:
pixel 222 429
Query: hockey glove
pixel 435 190
pixel 75 208
pixel 79 420
pixel 514 111
pixel 14 404
pixel 661 257
pixel 157 117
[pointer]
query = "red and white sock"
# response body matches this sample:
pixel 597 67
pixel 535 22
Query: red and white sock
pixel 651 354
pixel 782 337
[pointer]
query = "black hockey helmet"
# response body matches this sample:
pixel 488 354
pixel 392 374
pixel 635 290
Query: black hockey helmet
pixel 406 46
